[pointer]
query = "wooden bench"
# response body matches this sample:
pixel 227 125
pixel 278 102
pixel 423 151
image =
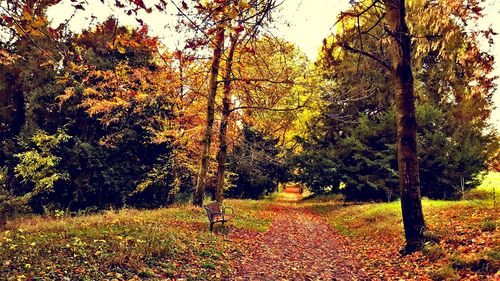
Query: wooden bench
pixel 216 212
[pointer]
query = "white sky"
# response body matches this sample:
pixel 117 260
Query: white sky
pixel 492 18
pixel 303 22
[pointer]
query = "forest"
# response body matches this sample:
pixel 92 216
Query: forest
pixel 109 133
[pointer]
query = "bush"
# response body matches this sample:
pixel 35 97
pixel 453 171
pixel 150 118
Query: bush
pixel 363 159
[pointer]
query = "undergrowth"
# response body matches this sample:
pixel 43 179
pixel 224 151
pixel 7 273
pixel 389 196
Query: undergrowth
pixel 126 244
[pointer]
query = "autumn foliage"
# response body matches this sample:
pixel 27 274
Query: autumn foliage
pixel 109 119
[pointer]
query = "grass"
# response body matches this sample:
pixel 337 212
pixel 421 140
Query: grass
pixel 489 188
pixel 466 231
pixel 358 219
pixel 492 180
pixel 128 244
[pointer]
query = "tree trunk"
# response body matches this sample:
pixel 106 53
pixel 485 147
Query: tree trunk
pixel 409 181
pixel 222 153
pixel 207 138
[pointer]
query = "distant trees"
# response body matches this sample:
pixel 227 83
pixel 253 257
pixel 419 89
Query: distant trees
pixel 110 119
pixel 255 167
pixel 236 22
pixel 263 100
pixel 90 131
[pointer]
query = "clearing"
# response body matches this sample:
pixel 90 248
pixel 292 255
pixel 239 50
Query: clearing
pixel 284 238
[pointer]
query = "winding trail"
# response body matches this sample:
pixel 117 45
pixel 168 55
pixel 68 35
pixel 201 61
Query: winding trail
pixel 298 246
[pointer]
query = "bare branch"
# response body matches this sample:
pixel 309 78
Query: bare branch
pixel 269 108
pixel 366 54
pixel 344 15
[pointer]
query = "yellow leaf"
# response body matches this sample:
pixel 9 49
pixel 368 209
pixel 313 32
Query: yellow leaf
pixel 36 33
pixel 40 22
pixel 26 16
pixel 141 97
pixel 233 14
pixel 244 5
pixel 47 63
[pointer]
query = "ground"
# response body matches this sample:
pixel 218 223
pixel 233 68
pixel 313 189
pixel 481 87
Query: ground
pixel 298 245
pixel 282 238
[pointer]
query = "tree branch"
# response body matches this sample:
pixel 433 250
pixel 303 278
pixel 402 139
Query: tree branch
pixel 269 108
pixel 344 15
pixel 248 80
pixel 366 54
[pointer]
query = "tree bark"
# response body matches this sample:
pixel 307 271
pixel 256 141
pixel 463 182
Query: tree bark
pixel 222 153
pixel 207 138
pixel 409 180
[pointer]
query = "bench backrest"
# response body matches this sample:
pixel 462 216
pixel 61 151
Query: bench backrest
pixel 213 207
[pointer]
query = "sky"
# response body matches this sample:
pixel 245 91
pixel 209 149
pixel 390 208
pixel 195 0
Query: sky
pixel 303 22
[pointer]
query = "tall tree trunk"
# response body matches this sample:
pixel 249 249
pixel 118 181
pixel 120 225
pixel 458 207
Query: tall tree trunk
pixel 207 138
pixel 222 153
pixel 409 180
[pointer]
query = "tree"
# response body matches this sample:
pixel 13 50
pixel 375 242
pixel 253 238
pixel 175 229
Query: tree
pixel 409 178
pixel 115 98
pixel 226 111
pixel 254 165
pixel 28 51
pixel 207 136
pixel 394 13
pixel 214 19
pixel 263 85
pixel 366 30
pixel 128 94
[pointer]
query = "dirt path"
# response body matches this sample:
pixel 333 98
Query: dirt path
pixel 298 246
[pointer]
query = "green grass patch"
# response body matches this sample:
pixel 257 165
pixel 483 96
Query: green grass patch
pixel 492 180
pixel 488 225
pixel 489 189
pixel 373 218
pixel 354 219
pixel 126 244
pixel 433 251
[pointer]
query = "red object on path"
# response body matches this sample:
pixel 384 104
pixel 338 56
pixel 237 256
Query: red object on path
pixel 296 188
